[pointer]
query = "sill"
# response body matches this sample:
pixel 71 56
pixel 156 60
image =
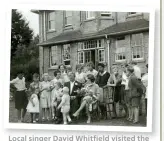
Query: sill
pixel 134 15
pixel 106 18
pixel 90 19
pixel 52 30
pixel 138 59
pixel 120 61
pixel 69 26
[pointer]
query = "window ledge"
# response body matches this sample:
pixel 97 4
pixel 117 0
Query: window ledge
pixel 120 61
pixel 52 30
pixel 134 15
pixel 69 26
pixel 90 19
pixel 106 18
pixel 138 60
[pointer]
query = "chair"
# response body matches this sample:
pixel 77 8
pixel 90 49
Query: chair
pixel 108 101
pixel 95 114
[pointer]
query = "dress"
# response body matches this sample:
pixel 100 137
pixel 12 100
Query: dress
pixel 33 109
pixel 45 97
pixel 33 87
pixel 65 103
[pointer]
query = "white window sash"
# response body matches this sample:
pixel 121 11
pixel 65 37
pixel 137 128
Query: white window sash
pixel 51 21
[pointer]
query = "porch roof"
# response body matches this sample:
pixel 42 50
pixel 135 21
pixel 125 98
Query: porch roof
pixel 114 30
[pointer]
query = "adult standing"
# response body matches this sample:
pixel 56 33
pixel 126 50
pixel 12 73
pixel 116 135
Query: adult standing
pixel 134 85
pixel 80 75
pixel 21 99
pixel 101 80
pixel 74 89
pixel 64 75
pixel 91 70
pixel 145 83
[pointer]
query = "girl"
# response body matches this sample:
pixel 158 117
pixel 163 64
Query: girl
pixel 56 99
pixel 33 106
pixel 65 105
pixel 45 97
pixel 33 86
pixel 64 75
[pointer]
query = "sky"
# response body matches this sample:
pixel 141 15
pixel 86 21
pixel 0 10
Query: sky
pixel 32 18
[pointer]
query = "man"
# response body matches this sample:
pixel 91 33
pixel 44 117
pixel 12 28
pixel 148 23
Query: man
pixel 137 70
pixel 137 73
pixel 134 85
pixel 101 80
pixel 74 90
pixel 21 100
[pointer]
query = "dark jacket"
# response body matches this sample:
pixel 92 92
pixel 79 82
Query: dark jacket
pixel 135 86
pixel 76 86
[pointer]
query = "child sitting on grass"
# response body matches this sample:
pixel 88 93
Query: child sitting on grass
pixel 33 106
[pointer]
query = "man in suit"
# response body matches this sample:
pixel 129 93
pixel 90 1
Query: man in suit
pixel 74 90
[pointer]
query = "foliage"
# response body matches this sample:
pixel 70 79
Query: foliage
pixel 21 34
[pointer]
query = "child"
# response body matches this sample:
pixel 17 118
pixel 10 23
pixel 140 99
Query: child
pixel 33 106
pixel 33 86
pixel 56 99
pixel 65 105
pixel 45 96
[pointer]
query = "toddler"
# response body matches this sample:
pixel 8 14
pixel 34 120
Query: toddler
pixel 65 105
pixel 33 106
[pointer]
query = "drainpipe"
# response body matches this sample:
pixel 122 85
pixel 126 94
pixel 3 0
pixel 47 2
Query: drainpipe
pixel 108 47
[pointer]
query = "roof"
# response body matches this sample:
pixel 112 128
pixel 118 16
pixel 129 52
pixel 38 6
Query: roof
pixel 116 29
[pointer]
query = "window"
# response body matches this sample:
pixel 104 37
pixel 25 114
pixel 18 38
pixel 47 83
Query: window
pixel 54 54
pixel 89 50
pixel 120 54
pixel 101 55
pixel 81 57
pixel 68 18
pixel 51 21
pixel 132 13
pixel 90 14
pixel 66 54
pixel 106 14
pixel 137 46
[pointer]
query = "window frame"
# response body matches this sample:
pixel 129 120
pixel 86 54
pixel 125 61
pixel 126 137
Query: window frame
pixel 99 56
pixel 106 14
pixel 51 20
pixel 51 55
pixel 88 16
pixel 135 46
pixel 122 53
pixel 65 19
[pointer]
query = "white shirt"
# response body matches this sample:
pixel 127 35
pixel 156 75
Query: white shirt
pixel 80 77
pixel 19 84
pixel 93 72
pixel 145 82
pixel 125 81
pixel 137 71
pixel 71 86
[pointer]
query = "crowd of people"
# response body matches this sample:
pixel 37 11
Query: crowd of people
pixel 68 96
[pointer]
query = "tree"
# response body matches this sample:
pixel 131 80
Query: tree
pixel 21 34
pixel 26 59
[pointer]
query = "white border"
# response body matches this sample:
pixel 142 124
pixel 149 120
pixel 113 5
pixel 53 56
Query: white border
pixel 79 127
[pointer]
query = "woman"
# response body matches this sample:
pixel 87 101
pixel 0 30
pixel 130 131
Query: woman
pixel 92 93
pixel 79 75
pixel 114 86
pixel 45 97
pixel 91 70
pixel 64 75
pixel 35 85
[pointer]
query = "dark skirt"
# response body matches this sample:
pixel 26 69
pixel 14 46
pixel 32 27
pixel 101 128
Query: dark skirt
pixel 21 100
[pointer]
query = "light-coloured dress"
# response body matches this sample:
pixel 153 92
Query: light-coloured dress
pixel 45 97
pixel 80 77
pixel 33 109
pixel 65 103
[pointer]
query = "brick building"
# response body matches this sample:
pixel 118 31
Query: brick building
pixel 78 37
